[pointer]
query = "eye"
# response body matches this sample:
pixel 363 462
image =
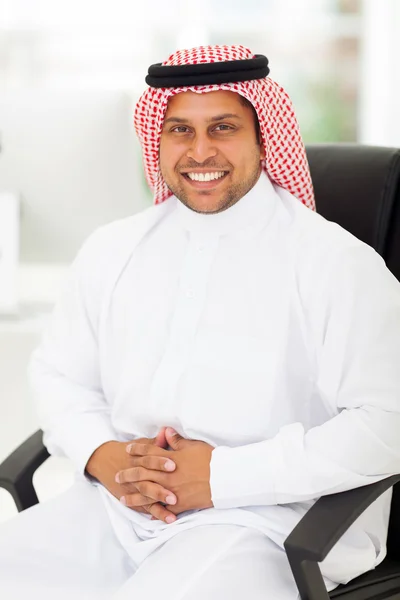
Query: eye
pixel 180 129
pixel 223 127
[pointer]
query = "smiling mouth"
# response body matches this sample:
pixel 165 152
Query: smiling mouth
pixel 207 179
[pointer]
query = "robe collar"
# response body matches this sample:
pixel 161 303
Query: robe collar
pixel 252 212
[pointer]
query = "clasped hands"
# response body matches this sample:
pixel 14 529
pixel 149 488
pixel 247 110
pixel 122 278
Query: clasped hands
pixel 168 482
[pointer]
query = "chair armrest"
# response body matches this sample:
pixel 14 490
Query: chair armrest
pixel 319 530
pixel 17 470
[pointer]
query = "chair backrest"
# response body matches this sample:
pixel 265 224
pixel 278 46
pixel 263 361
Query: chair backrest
pixel 358 187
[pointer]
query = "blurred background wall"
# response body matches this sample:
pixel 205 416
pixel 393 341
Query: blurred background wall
pixel 326 52
pixel 70 73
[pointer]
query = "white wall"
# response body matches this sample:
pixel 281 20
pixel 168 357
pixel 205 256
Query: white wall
pixel 379 115
pixel 18 420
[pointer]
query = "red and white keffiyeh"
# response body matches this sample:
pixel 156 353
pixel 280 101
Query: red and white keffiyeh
pixel 285 163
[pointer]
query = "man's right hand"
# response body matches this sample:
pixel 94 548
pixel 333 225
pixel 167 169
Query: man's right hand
pixel 111 457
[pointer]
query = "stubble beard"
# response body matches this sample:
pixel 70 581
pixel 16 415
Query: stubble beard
pixel 234 193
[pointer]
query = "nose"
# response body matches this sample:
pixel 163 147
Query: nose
pixel 201 148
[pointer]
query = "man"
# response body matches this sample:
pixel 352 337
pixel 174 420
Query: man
pixel 214 365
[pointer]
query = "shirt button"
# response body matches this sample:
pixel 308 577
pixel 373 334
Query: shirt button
pixel 189 293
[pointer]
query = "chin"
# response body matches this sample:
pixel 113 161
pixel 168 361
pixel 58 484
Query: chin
pixel 202 201
pixel 207 209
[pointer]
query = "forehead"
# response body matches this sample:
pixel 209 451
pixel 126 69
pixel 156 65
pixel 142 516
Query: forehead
pixel 207 103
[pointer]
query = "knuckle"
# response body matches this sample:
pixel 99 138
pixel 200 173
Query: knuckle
pixel 133 499
pixel 156 509
pixel 135 473
pixel 142 473
pixel 152 508
pixel 147 462
pixel 156 493
pixel 144 500
pixel 146 508
pixel 139 487
pixel 144 488
pixel 131 488
pixel 153 493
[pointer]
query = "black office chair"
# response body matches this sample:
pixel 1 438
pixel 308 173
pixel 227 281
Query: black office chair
pixel 359 188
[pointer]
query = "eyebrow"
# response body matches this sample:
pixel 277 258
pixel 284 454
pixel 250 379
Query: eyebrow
pixel 211 120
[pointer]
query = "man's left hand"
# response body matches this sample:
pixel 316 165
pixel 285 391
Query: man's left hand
pixel 190 481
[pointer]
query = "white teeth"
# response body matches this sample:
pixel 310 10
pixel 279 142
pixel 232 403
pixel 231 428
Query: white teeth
pixel 205 176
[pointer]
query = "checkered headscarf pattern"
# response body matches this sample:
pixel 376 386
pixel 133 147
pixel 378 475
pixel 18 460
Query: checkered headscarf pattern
pixel 285 163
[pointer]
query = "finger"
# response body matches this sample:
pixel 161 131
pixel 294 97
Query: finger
pixel 135 474
pixel 156 492
pixel 141 509
pixel 155 463
pixel 161 513
pixel 160 439
pixel 137 449
pixel 141 441
pixel 133 500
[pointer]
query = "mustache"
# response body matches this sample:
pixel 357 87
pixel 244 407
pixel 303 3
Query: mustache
pixel 205 165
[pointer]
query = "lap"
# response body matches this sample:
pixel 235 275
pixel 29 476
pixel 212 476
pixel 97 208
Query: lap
pixel 65 545
pixel 213 562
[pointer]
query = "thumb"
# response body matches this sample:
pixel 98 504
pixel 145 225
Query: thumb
pixel 160 439
pixel 173 438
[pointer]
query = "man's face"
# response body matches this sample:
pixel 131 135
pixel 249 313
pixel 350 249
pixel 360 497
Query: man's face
pixel 209 152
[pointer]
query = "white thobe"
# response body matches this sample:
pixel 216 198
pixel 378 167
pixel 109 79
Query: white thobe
pixel 265 331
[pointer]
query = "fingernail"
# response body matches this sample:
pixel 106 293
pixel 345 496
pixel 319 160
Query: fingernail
pixel 170 519
pixel 123 500
pixel 170 499
pixel 117 478
pixel 169 465
pixel 129 448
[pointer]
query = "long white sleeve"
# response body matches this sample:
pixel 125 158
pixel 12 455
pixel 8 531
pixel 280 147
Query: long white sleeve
pixel 354 317
pixel 64 370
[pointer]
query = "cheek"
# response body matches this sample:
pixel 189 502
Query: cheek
pixel 251 159
pixel 243 160
pixel 242 153
pixel 162 154
pixel 169 157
